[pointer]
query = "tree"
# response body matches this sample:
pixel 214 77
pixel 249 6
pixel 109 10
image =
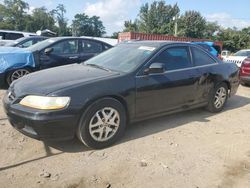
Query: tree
pixel 13 14
pixel 192 24
pixel 83 25
pixel 157 18
pixel 40 19
pixel 233 39
pixel 59 13
pixel 211 30
pixel 131 26
pixel 115 35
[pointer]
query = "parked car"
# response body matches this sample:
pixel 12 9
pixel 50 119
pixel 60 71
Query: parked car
pixel 26 42
pixel 210 47
pixel 238 57
pixel 15 63
pixel 245 72
pixel 128 83
pixel 7 36
pixel 225 54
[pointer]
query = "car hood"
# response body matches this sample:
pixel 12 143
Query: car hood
pixel 14 58
pixel 54 79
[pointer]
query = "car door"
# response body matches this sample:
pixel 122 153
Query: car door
pixel 172 89
pixel 63 52
pixel 205 64
pixel 89 49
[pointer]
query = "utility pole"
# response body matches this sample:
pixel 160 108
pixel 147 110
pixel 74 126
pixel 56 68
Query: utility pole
pixel 175 18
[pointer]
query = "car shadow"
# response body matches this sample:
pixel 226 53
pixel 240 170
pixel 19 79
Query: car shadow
pixel 138 130
pixel 155 125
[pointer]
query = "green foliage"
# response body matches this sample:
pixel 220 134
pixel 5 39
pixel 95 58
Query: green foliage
pixel 83 25
pixel 14 16
pixel 192 24
pixel 41 19
pixel 156 18
pixel 59 14
pixel 234 40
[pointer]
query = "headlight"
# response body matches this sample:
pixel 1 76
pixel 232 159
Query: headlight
pixel 45 103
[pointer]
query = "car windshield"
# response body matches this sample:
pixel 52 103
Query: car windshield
pixel 242 53
pixel 41 45
pixel 122 58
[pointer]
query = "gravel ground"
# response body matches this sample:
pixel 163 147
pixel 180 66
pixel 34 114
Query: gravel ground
pixel 195 149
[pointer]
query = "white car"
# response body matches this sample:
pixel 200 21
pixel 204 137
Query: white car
pixel 238 57
pixel 7 36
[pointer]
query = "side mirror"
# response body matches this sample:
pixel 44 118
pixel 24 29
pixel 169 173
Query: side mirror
pixel 155 68
pixel 47 51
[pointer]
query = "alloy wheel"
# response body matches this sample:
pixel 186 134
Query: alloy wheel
pixel 18 74
pixel 220 97
pixel 104 124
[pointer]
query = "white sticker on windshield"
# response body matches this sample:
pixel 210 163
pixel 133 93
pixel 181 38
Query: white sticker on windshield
pixel 148 48
pixel 51 41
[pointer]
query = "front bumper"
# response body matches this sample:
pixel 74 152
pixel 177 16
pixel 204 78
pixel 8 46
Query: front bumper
pixel 245 79
pixel 41 124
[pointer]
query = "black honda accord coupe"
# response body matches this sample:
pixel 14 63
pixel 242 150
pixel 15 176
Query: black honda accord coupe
pixel 133 81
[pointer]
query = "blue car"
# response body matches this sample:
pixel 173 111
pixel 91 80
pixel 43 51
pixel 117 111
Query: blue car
pixel 18 62
pixel 210 47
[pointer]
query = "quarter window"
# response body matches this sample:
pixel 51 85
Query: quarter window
pixel 201 58
pixel 91 47
pixel 174 58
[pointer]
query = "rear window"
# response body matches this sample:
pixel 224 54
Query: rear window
pixel 200 58
pixel 13 36
pixel 206 47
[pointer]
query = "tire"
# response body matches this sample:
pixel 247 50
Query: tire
pixel 218 98
pixel 91 129
pixel 16 74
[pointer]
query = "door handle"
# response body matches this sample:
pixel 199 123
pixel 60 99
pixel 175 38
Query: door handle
pixel 73 57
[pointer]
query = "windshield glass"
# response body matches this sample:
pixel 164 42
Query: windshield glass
pixel 122 58
pixel 242 53
pixel 41 45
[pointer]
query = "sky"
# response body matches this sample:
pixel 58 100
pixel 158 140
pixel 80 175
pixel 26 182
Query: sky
pixel 113 13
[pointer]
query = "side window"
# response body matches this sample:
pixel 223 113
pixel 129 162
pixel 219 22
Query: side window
pixel 201 58
pixel 13 36
pixel 2 35
pixel 174 58
pixel 91 46
pixel 65 47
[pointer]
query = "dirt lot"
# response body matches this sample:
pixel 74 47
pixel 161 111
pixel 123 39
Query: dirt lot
pixel 193 149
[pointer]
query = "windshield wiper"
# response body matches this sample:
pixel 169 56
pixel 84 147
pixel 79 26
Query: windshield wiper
pixel 98 66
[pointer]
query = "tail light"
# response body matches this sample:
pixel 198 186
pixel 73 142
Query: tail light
pixel 245 67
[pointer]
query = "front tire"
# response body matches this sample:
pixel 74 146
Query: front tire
pixel 218 98
pixel 102 124
pixel 16 74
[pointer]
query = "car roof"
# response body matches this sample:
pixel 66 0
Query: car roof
pixel 245 50
pixel 11 31
pixel 69 37
pixel 154 43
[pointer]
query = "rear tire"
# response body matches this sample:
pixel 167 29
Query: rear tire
pixel 102 124
pixel 218 98
pixel 16 74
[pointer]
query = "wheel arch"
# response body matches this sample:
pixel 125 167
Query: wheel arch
pixel 116 97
